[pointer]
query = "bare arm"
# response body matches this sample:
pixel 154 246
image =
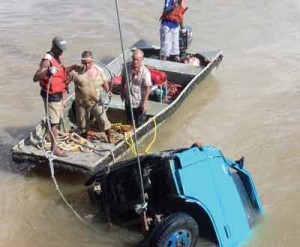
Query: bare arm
pixel 72 67
pixel 145 99
pixel 106 86
pixel 42 71
pixel 181 23
pixel 105 83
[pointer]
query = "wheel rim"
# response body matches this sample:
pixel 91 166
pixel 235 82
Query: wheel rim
pixel 180 238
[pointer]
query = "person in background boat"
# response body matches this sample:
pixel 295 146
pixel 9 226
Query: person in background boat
pixel 171 22
pixel 140 83
pixel 88 80
pixel 53 81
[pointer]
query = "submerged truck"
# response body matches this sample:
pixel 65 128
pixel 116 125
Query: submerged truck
pixel 186 193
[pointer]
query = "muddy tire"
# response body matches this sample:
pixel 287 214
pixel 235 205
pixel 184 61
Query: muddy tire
pixel 179 229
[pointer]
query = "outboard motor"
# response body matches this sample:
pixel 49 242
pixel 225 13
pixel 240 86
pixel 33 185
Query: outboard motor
pixel 185 39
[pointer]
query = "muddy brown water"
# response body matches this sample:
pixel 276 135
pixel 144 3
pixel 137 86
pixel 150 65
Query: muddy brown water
pixel 248 107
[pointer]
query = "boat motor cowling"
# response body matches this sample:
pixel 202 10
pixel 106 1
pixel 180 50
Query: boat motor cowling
pixel 185 38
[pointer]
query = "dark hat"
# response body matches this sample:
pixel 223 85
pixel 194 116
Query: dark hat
pixel 60 42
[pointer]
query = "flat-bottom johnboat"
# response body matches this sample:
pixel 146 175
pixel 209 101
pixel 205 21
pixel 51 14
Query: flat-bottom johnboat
pixel 166 96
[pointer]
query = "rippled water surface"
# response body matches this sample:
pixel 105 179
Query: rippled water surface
pixel 248 107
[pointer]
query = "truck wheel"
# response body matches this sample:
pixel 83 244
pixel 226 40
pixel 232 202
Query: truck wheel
pixel 179 229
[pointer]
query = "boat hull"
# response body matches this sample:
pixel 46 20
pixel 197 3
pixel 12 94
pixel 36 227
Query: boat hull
pixel 24 151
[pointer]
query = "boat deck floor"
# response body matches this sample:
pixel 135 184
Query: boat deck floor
pixel 83 159
pixel 31 146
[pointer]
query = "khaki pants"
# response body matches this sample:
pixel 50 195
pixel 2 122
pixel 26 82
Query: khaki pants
pixel 55 110
pixel 83 117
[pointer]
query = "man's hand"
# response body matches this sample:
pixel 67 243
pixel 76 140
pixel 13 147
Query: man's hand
pixel 110 94
pixel 80 68
pixel 144 107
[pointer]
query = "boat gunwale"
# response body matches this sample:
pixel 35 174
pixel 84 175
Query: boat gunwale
pixel 177 102
pixel 122 147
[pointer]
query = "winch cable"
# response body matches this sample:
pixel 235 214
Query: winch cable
pixel 50 156
pixel 142 207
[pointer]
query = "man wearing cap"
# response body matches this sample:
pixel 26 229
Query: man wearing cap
pixel 52 75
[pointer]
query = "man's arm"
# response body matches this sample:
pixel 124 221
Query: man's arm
pixel 145 99
pixel 42 71
pixel 72 67
pixel 106 88
pixel 147 85
pixel 181 24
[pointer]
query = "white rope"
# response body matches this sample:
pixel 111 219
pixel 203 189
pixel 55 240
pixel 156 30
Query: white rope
pixel 50 156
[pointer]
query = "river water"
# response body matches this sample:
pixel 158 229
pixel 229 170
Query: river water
pixel 248 107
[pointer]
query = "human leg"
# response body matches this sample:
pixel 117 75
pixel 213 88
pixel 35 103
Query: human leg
pixel 109 136
pixel 102 121
pixel 54 114
pixel 81 119
pixel 175 51
pixel 165 42
pixel 128 113
pixel 139 116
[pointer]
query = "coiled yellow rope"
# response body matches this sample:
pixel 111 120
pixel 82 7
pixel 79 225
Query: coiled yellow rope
pixel 154 137
pixel 130 143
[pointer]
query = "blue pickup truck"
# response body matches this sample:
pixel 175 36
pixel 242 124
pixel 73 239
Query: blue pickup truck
pixel 186 193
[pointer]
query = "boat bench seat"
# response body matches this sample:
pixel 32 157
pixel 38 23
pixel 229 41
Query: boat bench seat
pixel 153 106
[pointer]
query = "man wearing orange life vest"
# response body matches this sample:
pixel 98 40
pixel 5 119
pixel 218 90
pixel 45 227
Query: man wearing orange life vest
pixel 52 76
pixel 171 22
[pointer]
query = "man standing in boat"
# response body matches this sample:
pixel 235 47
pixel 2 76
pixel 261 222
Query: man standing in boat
pixel 53 81
pixel 88 80
pixel 171 21
pixel 139 89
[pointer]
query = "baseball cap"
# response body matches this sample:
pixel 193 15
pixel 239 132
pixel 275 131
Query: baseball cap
pixel 60 42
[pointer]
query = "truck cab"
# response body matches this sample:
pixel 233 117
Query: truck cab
pixel 187 192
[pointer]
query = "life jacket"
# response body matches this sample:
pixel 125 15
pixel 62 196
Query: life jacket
pixel 176 15
pixel 116 84
pixel 158 77
pixel 58 80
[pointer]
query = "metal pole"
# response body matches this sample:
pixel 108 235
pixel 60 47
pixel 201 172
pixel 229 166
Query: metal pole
pixel 130 104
